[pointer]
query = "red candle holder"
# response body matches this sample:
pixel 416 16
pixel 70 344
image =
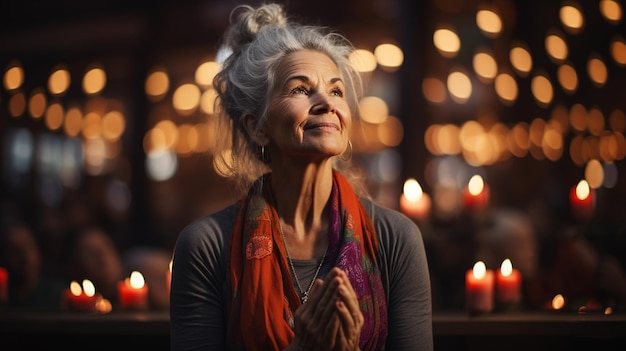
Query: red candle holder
pixel 582 200
pixel 414 202
pixel 133 292
pixel 508 284
pixel 80 299
pixel 475 195
pixel 4 285
pixel 479 287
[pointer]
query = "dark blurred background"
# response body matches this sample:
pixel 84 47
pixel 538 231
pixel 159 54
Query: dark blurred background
pixel 106 120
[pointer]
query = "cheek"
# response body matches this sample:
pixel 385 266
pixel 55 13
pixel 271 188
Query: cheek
pixel 346 116
pixel 288 113
pixel 283 119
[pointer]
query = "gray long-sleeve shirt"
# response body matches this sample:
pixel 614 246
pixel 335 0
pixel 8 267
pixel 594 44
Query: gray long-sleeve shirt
pixel 198 297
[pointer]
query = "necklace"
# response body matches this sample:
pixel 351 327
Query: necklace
pixel 304 295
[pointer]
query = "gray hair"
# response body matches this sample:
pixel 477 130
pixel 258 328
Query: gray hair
pixel 258 39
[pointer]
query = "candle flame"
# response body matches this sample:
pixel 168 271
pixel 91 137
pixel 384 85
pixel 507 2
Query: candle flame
pixel 480 270
pixel 136 280
pixel 582 190
pixel 476 185
pixel 412 190
pixel 89 288
pixel 506 268
pixel 75 288
pixel 558 301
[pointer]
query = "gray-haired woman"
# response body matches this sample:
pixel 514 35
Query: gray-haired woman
pixel 302 261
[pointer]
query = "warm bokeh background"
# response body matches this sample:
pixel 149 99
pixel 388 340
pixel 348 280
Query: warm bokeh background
pixel 106 120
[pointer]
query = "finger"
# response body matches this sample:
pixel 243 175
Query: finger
pixel 348 297
pixel 317 291
pixel 313 328
pixel 351 325
pixel 325 307
pixel 341 343
pixel 346 281
pixel 347 293
pixel 349 312
pixel 350 318
pixel 348 337
pixel 332 328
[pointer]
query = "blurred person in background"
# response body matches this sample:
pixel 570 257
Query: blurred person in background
pixel 31 288
pixel 93 255
pixel 510 233
pixel 586 275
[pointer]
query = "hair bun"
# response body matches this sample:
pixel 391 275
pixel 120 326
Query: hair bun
pixel 246 22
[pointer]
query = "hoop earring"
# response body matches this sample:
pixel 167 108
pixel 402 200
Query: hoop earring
pixel 349 157
pixel 265 157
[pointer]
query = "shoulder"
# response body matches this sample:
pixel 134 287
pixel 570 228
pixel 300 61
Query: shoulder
pixel 390 223
pixel 209 232
pixel 399 238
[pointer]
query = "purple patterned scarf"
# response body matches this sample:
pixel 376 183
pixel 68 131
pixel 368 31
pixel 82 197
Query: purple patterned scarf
pixel 353 248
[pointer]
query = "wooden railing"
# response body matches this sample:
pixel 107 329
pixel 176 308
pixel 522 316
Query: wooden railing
pixel 452 331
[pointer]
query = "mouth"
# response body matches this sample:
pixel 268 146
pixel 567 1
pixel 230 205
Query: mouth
pixel 322 127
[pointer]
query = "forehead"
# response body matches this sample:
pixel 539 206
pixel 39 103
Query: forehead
pixel 307 63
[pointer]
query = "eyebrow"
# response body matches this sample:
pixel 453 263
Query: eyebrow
pixel 306 79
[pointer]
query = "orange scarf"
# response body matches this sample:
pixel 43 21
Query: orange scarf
pixel 259 316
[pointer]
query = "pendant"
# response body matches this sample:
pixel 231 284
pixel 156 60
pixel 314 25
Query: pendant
pixel 305 298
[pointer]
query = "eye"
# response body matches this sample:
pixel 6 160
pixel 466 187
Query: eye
pixel 299 90
pixel 337 92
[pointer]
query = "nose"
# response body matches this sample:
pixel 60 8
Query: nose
pixel 322 104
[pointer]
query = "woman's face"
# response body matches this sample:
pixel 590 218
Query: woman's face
pixel 309 117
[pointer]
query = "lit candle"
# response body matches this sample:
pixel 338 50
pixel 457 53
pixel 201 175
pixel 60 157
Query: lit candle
pixel 476 194
pixel 414 202
pixel 4 285
pixel 133 292
pixel 479 286
pixel 80 299
pixel 582 200
pixel 508 284
pixel 557 302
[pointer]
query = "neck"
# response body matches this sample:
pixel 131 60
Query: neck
pixel 301 202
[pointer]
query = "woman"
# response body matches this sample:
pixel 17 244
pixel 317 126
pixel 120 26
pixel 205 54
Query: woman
pixel 301 262
pixel 31 287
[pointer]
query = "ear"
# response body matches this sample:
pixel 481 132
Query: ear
pixel 254 130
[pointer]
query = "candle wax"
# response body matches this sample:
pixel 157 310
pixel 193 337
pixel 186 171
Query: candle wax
pixel 478 201
pixel 581 208
pixel 4 285
pixel 416 209
pixel 78 303
pixel 508 288
pixel 479 292
pixel 132 298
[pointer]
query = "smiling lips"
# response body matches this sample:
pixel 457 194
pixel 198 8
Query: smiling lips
pixel 322 126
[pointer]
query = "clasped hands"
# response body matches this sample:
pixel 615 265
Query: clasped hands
pixel 331 319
